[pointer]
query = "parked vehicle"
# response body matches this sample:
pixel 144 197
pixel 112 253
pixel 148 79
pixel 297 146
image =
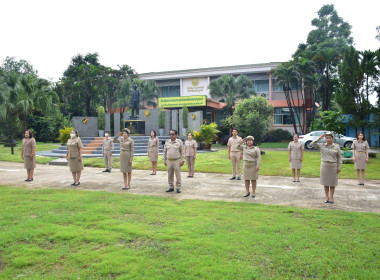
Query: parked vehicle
pixel 342 140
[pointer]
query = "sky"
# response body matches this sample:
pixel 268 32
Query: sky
pixel 165 35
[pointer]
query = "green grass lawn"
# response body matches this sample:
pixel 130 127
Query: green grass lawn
pixel 274 163
pixel 5 153
pixel 69 234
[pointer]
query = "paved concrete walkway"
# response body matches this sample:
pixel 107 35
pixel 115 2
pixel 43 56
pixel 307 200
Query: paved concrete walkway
pixel 204 186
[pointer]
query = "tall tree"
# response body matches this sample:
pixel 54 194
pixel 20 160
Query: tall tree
pixel 325 45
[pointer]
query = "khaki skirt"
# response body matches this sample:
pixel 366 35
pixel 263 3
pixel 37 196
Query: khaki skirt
pixel 152 155
pixel 360 161
pixel 295 164
pixel 125 166
pixel 329 175
pixel 249 170
pixel 75 164
pixel 29 163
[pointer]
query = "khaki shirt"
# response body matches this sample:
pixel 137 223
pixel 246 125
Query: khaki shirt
pixel 153 144
pixel 233 142
pixel 126 145
pixel 190 147
pixel 250 153
pixel 73 147
pixel 27 146
pixel 360 146
pixel 173 150
pixel 295 150
pixel 107 145
pixel 329 154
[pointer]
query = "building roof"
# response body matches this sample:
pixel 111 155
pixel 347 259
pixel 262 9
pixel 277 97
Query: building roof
pixel 212 71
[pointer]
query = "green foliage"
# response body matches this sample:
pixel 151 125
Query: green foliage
pixel 276 135
pixel 161 118
pixel 148 91
pixel 209 132
pixel 44 129
pixel 197 136
pixel 252 116
pixel 101 118
pixel 185 115
pixel 231 89
pixel 333 121
pixel 64 134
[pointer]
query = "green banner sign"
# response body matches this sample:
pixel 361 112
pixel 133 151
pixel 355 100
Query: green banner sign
pixel 180 101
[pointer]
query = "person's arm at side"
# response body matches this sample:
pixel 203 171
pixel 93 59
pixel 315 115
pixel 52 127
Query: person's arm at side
pixel 340 161
pixel 258 159
pixel 289 151
pixel 229 149
pixel 157 146
pixel 132 151
pixel 182 154
pixel 165 154
pixel 366 152
pixel 80 146
pixel 112 146
pixel 195 149
pixel 353 152
pixel 302 151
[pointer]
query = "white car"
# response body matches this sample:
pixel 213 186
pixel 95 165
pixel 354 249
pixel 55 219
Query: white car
pixel 343 141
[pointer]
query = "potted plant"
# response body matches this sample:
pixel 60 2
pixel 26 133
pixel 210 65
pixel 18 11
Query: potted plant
pixel 185 124
pixel 209 132
pixel 161 121
pixel 101 120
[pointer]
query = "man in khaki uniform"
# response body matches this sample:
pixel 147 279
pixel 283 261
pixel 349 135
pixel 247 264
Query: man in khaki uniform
pixel 235 154
pixel 107 152
pixel 174 158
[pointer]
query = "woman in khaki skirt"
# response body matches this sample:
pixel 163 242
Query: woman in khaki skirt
pixel 74 156
pixel 127 149
pixel 252 160
pixel 153 148
pixel 190 154
pixel 331 164
pixel 28 154
pixel 295 149
pixel 360 150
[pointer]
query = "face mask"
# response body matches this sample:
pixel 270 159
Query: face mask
pixel 72 135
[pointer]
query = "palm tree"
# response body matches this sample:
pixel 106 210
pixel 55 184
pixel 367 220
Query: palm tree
pixel 231 89
pixel 148 91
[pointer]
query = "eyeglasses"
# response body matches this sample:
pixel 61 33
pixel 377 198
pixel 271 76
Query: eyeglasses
pixel 171 133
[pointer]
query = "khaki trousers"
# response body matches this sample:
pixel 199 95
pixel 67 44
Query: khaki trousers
pixel 108 159
pixel 174 168
pixel 190 165
pixel 235 159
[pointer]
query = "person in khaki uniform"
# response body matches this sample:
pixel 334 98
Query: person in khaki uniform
pixel 107 149
pixel 235 154
pixel 295 149
pixel 174 158
pixel 74 156
pixel 252 160
pixel 28 154
pixel 127 150
pixel 190 154
pixel 360 155
pixel 331 164
pixel 153 149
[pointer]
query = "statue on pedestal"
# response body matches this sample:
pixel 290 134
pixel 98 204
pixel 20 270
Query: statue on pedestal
pixel 135 101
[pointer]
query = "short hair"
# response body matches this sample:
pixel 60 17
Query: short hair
pixel 108 132
pixel 357 135
pixel 175 131
pixel 295 134
pixel 154 132
pixel 235 129
pixel 190 134
pixel 30 133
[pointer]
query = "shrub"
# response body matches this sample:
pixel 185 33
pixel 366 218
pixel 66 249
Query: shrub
pixel 185 114
pixel 197 136
pixel 101 118
pixel 161 119
pixel 44 129
pixel 209 132
pixel 64 134
pixel 277 135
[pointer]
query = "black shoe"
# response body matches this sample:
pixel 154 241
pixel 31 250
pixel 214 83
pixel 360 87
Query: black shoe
pixel 27 180
pixel 170 190
pixel 105 170
pixel 78 184
pixel 331 202
pixel 73 184
pixel 253 196
pixel 247 195
pixel 238 178
pixel 327 201
pixel 233 178
pixel 178 190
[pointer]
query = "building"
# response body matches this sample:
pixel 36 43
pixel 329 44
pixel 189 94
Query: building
pixel 195 82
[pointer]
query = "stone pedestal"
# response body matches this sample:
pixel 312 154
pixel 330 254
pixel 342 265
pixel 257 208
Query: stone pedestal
pixel 136 127
pixel 116 123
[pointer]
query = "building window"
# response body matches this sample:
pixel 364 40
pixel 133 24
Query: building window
pixel 170 91
pixel 261 86
pixel 278 86
pixel 281 116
